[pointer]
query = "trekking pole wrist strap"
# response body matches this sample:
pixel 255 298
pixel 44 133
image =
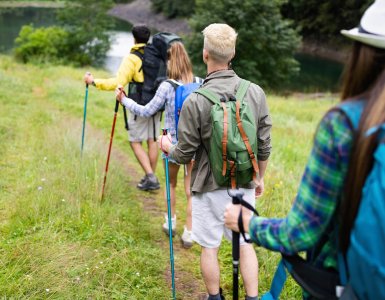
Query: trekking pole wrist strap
pixel 240 219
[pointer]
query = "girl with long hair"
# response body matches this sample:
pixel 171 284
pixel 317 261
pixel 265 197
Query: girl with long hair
pixel 331 187
pixel 179 68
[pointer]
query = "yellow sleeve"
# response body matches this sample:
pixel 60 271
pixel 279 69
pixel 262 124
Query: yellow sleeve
pixel 128 71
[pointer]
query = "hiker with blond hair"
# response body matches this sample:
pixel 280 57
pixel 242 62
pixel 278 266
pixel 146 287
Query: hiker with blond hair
pixel 209 197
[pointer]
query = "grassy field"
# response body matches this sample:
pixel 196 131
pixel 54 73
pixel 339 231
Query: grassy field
pixel 59 241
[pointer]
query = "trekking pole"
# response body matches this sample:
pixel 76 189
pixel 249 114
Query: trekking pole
pixel 236 197
pixel 169 219
pixel 84 117
pixel 125 117
pixel 109 148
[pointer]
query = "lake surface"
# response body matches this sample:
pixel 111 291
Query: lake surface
pixel 316 75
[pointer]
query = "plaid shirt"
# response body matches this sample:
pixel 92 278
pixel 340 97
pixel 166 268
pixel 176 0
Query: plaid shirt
pixel 164 97
pixel 319 191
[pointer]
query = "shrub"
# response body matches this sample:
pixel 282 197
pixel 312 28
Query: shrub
pixel 41 44
pixel 81 40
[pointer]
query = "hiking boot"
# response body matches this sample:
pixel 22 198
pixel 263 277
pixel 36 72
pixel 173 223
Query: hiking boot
pixel 165 225
pixel 150 183
pixel 142 180
pixel 187 241
pixel 216 297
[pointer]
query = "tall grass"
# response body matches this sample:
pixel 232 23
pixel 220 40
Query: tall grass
pixel 59 241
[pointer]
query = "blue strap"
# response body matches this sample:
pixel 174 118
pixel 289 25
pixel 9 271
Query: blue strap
pixel 277 284
pixel 353 110
pixel 342 269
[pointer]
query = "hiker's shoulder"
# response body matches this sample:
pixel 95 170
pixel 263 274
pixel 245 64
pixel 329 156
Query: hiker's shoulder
pixel 255 89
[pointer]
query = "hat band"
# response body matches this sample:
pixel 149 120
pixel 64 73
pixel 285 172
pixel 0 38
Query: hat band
pixel 362 30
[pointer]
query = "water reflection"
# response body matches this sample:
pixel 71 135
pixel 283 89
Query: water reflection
pixel 12 19
pixel 120 47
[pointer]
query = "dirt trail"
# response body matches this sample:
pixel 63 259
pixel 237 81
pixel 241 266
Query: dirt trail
pixel 186 285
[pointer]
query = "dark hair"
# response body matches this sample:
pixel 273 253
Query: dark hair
pixel 364 78
pixel 141 33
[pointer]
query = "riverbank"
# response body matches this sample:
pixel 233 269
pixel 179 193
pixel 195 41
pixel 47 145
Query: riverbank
pixel 47 4
pixel 335 53
pixel 139 11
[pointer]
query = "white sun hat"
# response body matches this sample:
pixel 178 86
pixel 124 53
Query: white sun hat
pixel 371 30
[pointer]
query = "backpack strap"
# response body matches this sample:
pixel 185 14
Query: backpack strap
pixel 213 97
pixel 242 89
pixel 353 110
pixel 239 96
pixel 140 55
pixel 245 138
pixel 175 84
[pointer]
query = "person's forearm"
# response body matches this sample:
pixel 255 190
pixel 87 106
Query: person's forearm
pixel 109 84
pixel 262 167
pixel 137 109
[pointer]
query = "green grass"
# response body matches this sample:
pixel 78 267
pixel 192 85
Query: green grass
pixel 58 241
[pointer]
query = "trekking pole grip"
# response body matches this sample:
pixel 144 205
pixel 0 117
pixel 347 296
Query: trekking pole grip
pixel 236 196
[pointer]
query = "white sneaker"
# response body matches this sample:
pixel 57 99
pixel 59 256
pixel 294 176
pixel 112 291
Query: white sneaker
pixel 165 225
pixel 186 238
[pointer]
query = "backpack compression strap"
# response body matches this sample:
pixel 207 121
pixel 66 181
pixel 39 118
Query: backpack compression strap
pixel 240 95
pixel 215 100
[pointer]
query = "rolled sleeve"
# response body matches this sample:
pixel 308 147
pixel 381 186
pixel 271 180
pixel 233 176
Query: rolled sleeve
pixel 264 130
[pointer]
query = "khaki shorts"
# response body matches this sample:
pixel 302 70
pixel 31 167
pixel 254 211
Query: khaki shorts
pixel 143 128
pixel 208 211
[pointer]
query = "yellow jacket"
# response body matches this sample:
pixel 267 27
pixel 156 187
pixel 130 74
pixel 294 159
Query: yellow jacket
pixel 128 72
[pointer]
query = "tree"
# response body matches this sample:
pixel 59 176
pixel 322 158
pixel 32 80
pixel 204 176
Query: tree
pixel 266 42
pixel 87 21
pixel 322 20
pixel 174 8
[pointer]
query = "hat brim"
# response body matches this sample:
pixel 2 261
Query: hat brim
pixel 377 41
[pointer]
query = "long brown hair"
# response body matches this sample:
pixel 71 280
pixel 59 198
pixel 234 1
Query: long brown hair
pixel 179 65
pixel 364 78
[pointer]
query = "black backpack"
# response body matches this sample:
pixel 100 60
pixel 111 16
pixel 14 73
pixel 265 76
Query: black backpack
pixel 154 65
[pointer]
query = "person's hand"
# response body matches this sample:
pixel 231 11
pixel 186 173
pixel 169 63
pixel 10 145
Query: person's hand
pixel 165 142
pixel 120 94
pixel 232 214
pixel 260 188
pixel 88 78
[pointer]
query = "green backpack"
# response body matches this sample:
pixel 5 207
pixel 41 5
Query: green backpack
pixel 233 142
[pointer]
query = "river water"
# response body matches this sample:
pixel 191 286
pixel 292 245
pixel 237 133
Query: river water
pixel 316 75
pixel 12 19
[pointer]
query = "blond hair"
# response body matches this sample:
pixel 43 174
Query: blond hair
pixel 179 65
pixel 219 42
